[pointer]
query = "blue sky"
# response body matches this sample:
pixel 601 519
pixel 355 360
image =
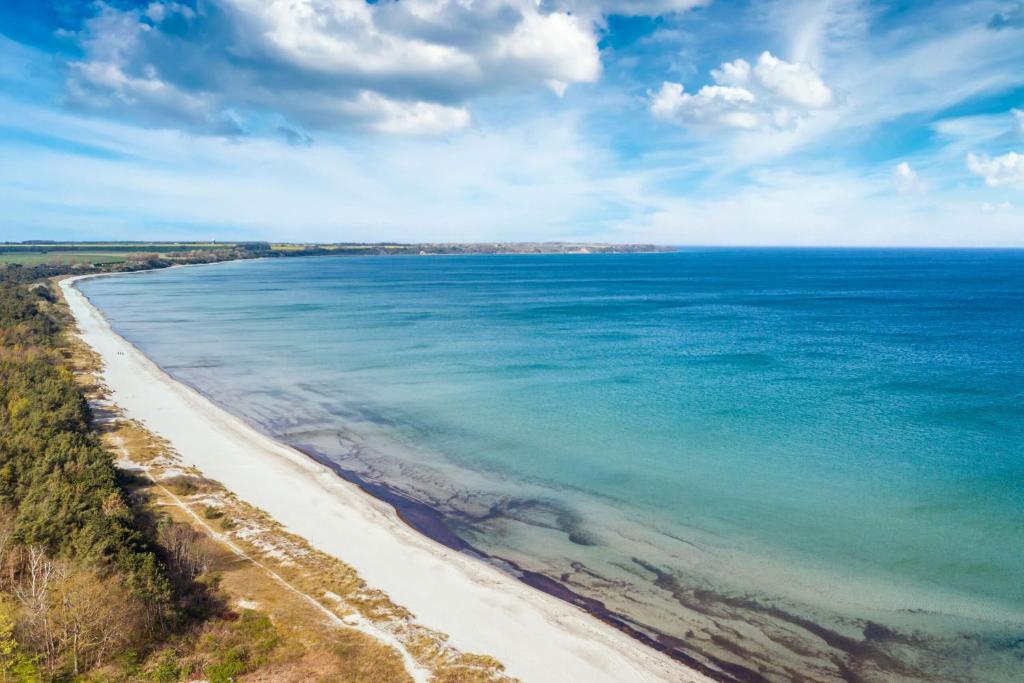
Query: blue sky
pixel 672 121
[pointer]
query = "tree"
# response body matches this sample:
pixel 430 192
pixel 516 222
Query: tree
pixel 187 551
pixel 91 618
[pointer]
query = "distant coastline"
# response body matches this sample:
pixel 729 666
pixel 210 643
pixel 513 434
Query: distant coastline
pixel 43 251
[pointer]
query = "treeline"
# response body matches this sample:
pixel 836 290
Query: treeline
pixel 70 554
pixel 89 579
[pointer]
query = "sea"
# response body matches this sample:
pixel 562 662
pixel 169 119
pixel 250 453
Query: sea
pixel 772 464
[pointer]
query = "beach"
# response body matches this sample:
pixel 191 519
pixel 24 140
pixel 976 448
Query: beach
pixel 536 636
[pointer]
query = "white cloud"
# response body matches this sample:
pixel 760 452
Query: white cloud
pixel 556 46
pixel 105 86
pixel 169 64
pixel 907 180
pixel 340 38
pixel 711 105
pixel 732 73
pixel 773 95
pixel 1007 169
pixel 876 73
pixel 1018 122
pixel 409 118
pixel 409 66
pixel 991 208
pixel 796 83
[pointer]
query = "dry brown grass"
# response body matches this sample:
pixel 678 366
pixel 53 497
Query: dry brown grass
pixel 141 443
pixel 311 648
pixel 334 585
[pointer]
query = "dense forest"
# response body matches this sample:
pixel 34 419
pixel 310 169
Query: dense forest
pixel 93 584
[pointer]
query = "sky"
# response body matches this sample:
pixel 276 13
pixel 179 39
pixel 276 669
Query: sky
pixel 684 122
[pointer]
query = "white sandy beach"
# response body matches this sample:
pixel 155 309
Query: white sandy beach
pixel 538 637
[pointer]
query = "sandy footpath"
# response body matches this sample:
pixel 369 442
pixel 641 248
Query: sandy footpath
pixel 538 637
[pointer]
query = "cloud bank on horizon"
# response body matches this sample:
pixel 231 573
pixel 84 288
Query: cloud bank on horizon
pixel 840 122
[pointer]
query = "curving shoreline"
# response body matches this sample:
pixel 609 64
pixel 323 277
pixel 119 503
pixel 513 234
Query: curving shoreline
pixel 537 636
pixel 427 521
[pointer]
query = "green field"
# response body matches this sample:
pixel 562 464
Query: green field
pixel 34 259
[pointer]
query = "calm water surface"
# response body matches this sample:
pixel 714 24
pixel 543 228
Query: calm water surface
pixel 797 461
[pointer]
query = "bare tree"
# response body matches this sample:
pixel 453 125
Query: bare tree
pixel 92 618
pixel 188 552
pixel 33 595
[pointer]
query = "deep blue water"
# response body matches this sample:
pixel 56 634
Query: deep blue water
pixel 710 441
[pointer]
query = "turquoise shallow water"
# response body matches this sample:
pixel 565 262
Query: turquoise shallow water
pixel 796 461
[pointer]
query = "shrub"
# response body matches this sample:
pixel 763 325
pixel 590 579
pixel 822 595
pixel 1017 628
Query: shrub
pixel 168 669
pixel 240 646
pixel 181 485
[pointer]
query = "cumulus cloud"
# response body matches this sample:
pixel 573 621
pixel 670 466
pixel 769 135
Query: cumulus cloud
pixel 907 180
pixel 771 94
pixel 1005 170
pixel 553 46
pixel 732 73
pixel 712 104
pixel 795 83
pixel 405 67
pixel 390 116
